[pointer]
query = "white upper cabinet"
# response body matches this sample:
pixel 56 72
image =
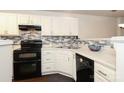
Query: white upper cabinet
pixel 74 26
pixel 8 24
pixel 29 19
pixel 55 26
pixel 35 20
pixel 11 25
pixel 51 26
pixel 60 26
pixel 46 24
pixel 23 19
pixel 2 24
pixel 64 26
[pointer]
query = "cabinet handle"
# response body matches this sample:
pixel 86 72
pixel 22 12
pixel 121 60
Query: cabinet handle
pixel 47 52
pixel 68 59
pixel 73 56
pixel 47 59
pixel 102 73
pixel 48 68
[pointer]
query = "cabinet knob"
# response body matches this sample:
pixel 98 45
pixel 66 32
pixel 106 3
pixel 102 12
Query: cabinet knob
pixel 81 60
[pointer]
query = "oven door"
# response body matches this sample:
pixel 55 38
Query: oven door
pixel 22 55
pixel 23 70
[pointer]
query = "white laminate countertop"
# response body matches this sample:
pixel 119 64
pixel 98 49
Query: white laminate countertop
pixel 6 42
pixel 105 56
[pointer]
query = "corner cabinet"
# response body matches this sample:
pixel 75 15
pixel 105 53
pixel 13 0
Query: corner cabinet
pixel 60 61
pixel 66 63
pixel 8 24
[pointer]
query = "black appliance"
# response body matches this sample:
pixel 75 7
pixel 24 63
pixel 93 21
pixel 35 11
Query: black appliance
pixel 31 44
pixel 27 55
pixel 30 27
pixel 84 69
pixel 27 60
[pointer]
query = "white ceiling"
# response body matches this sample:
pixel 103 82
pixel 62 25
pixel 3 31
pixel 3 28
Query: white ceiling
pixel 116 13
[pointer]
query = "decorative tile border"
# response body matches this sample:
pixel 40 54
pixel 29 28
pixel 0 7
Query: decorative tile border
pixel 56 40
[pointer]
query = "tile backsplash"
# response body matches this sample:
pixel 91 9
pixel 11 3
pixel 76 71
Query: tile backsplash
pixel 24 35
pixel 30 35
pixel 60 41
pixel 57 41
pixel 16 39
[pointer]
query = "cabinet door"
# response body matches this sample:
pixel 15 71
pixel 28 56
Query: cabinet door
pixel 35 20
pixel 23 19
pixel 64 63
pixel 73 61
pixel 70 63
pixel 47 67
pixel 6 63
pixel 11 24
pixel 74 26
pixel 48 56
pixel 2 23
pixel 46 24
pixel 8 24
pixel 60 26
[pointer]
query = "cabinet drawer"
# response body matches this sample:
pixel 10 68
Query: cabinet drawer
pixel 47 67
pixel 105 72
pixel 48 56
pixel 99 78
pixel 47 52
pixel 47 59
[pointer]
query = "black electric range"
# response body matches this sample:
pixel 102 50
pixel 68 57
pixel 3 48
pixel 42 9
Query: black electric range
pixel 27 60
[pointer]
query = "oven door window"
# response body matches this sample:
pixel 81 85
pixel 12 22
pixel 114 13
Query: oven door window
pixel 28 55
pixel 28 68
pixel 25 70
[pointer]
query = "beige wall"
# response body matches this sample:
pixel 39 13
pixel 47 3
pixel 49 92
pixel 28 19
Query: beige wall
pixel 97 27
pixel 89 26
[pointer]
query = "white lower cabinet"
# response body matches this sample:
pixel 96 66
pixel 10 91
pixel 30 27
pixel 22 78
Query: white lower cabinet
pixel 58 61
pixel 48 62
pixel 48 67
pixel 103 73
pixel 6 60
pixel 99 78
pixel 64 62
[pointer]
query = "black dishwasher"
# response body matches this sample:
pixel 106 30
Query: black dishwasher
pixel 84 69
